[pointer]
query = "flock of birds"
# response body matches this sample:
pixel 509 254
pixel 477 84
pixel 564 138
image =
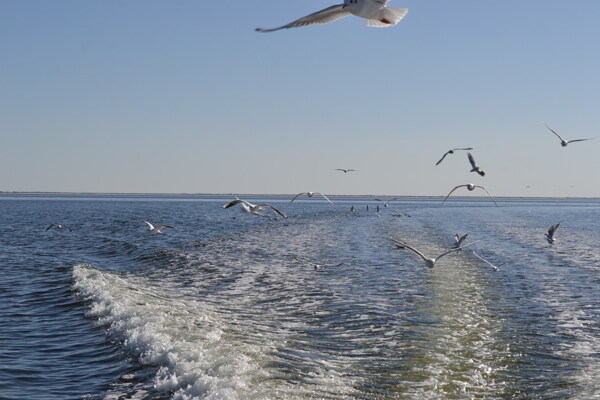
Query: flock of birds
pixel 377 14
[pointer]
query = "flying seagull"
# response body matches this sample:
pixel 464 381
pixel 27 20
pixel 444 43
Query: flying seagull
pixel 386 202
pixel 550 234
pixel 254 209
pixel 310 194
pixel 495 268
pixel 452 152
pixel 429 262
pixel 471 187
pixel 564 142
pixel 459 239
pixel 344 170
pixel 60 226
pixel 375 12
pixel 157 230
pixel 314 264
pixel 474 166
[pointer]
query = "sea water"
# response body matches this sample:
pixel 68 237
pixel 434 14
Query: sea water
pixel 230 305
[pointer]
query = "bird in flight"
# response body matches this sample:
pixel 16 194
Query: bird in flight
pixel 314 264
pixel 452 152
pixel 459 239
pixel 564 142
pixel 60 226
pixel 429 262
pixel 494 267
pixel 376 12
pixel 311 194
pixel 345 170
pixel 386 202
pixel 158 229
pixel 550 234
pixel 254 208
pixel 474 166
pixel 471 187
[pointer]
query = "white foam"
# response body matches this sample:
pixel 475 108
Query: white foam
pixel 199 352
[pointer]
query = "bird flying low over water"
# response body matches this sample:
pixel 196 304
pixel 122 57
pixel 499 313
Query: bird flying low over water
pixel 386 202
pixel 564 142
pixel 60 226
pixel 471 187
pixel 376 12
pixel 459 239
pixel 254 208
pixel 550 234
pixel 474 166
pixel 158 229
pixel 429 262
pixel 311 194
pixel 494 267
pixel 316 265
pixel 452 152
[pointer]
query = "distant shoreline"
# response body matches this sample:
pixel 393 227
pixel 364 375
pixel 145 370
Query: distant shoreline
pixel 271 194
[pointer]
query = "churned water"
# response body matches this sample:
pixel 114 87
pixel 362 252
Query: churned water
pixel 228 306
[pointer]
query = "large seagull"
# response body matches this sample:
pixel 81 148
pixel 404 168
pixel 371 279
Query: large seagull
pixel 376 12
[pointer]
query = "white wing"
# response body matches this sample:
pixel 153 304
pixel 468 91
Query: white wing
pixel 388 16
pixel 448 195
pixel 399 243
pixel 325 16
pixel 150 226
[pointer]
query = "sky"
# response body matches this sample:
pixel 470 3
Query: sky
pixel 183 96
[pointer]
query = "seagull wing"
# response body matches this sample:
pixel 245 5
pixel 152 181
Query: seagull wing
pixel 455 249
pixel 462 238
pixel 442 159
pixel 448 195
pixel 552 130
pixel 325 16
pixel 273 208
pixel 298 195
pixel 150 226
pixel 50 226
pixel 235 202
pixel 166 226
pixel 399 243
pixel 325 197
pixel 463 148
pixel 488 194
pixel 472 160
pixel 486 261
pixel 69 228
pixel 578 140
pixel 552 229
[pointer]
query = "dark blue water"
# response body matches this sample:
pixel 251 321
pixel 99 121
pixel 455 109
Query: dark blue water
pixel 229 305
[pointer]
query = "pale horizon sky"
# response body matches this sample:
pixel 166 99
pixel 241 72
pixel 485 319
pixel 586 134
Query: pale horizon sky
pixel 184 97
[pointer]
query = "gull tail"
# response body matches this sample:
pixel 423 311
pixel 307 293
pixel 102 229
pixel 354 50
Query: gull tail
pixel 388 16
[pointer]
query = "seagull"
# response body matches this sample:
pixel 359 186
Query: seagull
pixel 157 230
pixel 316 265
pixel 429 262
pixel 60 226
pixel 344 170
pixel 386 202
pixel 310 194
pixel 254 209
pixel 495 268
pixel 564 142
pixel 471 187
pixel 474 166
pixel 550 234
pixel 375 12
pixel 452 152
pixel 458 240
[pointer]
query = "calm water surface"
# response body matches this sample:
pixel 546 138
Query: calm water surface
pixel 222 308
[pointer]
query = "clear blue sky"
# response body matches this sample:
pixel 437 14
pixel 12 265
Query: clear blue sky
pixel 184 96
